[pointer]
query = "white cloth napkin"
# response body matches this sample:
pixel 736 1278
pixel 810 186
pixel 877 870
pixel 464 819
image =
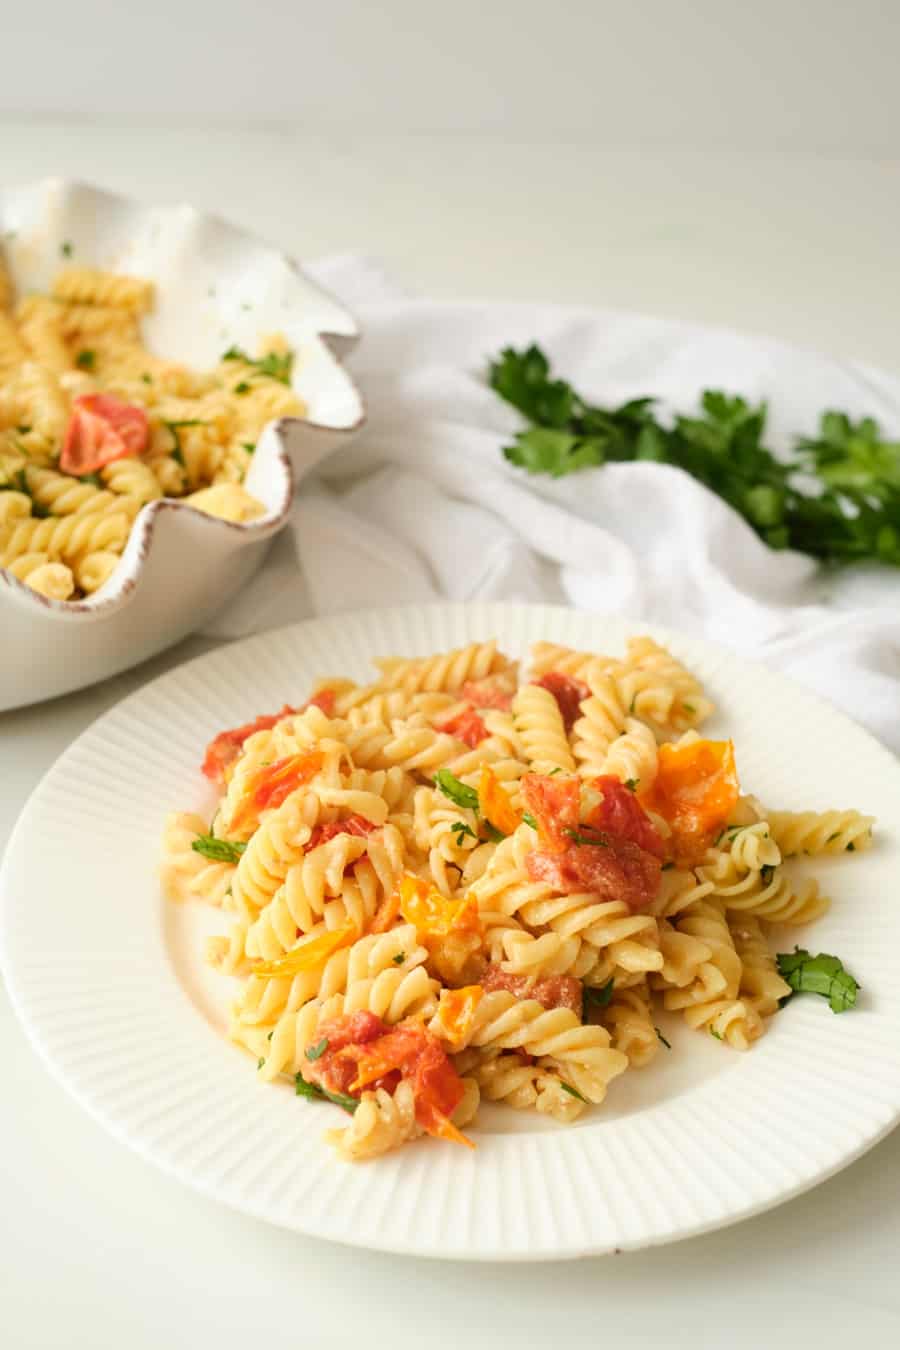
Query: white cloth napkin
pixel 422 505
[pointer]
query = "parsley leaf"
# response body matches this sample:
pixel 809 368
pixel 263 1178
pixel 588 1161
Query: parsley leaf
pixel 219 850
pixel 459 793
pixel 572 1091
pixel 822 974
pixel 529 819
pixel 93 478
pixel 718 1035
pixel 316 1093
pixel 462 830
pixel 599 998
pixel 601 840
pixel 242 387
pixel 399 958
pixel 249 446
pixel 837 497
pixel 86 359
pixel 318 1050
pixel 274 365
pixel 66 248
pixel 632 784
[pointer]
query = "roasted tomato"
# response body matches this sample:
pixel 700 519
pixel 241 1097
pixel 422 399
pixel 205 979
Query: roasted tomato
pixel 272 783
pixel 224 749
pixel 102 429
pixel 621 813
pixel 466 726
pixel 555 803
pixel 695 791
pixel 609 867
pixel 354 824
pixel 456 1012
pixel 486 694
pixel 434 915
pixel 568 692
pixel 309 953
pixel 494 803
pixel 553 991
pixel 410 1050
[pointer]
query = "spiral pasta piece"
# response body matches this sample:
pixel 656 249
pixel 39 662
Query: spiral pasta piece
pixel 447 671
pixel 541 730
pixel 507 1078
pixel 51 579
pixel 818 832
pixel 90 286
pixel 185 874
pixel 760 982
pixel 581 1053
pixel 632 757
pixel 629 1021
pixel 604 715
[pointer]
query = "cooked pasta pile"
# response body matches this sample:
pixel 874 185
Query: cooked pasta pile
pixel 452 883
pixel 93 426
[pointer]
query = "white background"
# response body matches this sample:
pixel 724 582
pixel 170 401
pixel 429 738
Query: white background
pixel 726 162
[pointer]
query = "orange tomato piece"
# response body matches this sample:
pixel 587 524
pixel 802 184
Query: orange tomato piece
pixel 433 914
pixel 695 791
pixel 495 805
pixel 308 953
pixel 273 783
pixel 456 1013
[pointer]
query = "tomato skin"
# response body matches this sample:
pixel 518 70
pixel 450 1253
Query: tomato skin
pixel 555 803
pixel 568 692
pixel 102 429
pixel 610 868
pixel 486 694
pixel 354 824
pixel 695 791
pixel 552 991
pixel 621 813
pixel 466 726
pixel 224 749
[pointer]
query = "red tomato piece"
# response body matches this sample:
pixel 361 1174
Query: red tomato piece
pixel 411 1051
pixel 324 700
pixel 568 692
pixel 621 813
pixel 332 1070
pixel 555 803
pixel 695 791
pixel 612 869
pixel 553 991
pixel 485 694
pixel 273 783
pixel 466 726
pixel 224 749
pixel 102 429
pixel 354 824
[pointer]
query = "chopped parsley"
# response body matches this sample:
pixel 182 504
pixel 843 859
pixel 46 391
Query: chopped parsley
pixel 259 1064
pixel 219 850
pixel 600 841
pixel 599 998
pixel 822 974
pixel 717 1034
pixel 632 784
pixel 316 1093
pixel 242 387
pixel 573 1092
pixel 86 359
pixel 66 248
pixel 318 1050
pixel 667 1044
pixel 529 819
pixel 249 446
pixel 93 478
pixel 399 958
pixel 766 873
pixel 462 830
pixel 459 793
pixel 174 427
pixel 274 365
pixel 491 833
pixel 147 378
pixel 667 866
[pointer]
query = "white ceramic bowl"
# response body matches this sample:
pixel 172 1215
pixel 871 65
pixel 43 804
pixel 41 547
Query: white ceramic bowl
pixel 216 286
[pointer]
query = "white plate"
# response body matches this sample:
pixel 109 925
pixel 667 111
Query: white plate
pixel 109 982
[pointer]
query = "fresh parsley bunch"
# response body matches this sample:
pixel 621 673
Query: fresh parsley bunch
pixel 837 498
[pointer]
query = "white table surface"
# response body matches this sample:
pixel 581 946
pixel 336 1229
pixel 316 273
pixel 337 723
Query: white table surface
pixel 97 1250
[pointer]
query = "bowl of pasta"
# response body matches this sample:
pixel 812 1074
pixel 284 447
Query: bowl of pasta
pixel 164 376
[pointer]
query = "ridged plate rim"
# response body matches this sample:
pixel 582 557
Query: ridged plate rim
pixel 743 1142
